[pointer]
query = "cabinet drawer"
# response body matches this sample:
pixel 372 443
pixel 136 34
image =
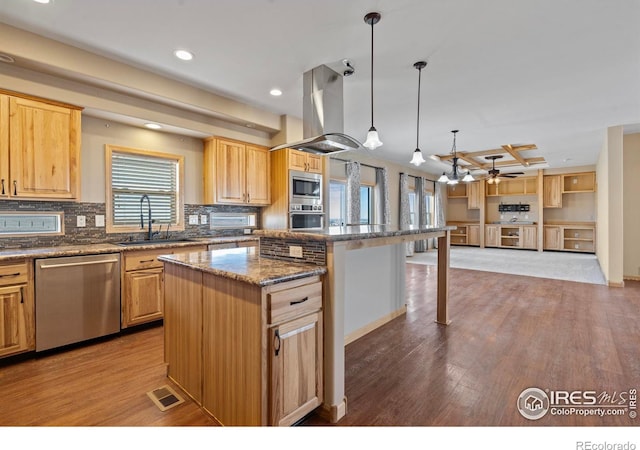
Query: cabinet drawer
pixel 14 274
pixel 291 303
pixel 147 259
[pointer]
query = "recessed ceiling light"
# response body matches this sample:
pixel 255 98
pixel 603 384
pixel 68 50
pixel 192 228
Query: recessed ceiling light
pixel 153 126
pixel 42 1
pixel 183 55
pixel 275 92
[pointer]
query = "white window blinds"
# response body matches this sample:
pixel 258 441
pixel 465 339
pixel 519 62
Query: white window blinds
pixel 133 175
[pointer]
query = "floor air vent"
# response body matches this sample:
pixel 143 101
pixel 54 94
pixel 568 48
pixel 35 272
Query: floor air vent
pixel 164 398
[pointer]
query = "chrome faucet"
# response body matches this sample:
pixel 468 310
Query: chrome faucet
pixel 151 233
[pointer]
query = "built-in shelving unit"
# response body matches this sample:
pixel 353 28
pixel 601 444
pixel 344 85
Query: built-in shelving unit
pixel 570 237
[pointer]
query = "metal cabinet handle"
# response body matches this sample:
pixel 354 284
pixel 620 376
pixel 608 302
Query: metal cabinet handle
pixel 248 198
pixel 276 342
pixel 3 187
pixel 297 302
pixel 145 260
pixel 15 187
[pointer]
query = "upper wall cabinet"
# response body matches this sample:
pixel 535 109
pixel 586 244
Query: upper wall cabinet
pixel 552 191
pixel 236 173
pixel 39 149
pixel 579 182
pixel 515 186
pixel 305 162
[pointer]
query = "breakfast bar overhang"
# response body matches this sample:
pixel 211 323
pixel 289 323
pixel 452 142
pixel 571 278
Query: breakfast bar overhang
pixel 364 288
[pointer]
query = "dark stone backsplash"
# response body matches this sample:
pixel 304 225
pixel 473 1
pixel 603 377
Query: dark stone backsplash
pixel 314 252
pixel 95 235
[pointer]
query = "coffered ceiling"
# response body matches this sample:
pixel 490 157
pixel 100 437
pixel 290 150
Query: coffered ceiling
pixel 506 73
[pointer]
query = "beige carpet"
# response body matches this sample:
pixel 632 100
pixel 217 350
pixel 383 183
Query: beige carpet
pixel 580 267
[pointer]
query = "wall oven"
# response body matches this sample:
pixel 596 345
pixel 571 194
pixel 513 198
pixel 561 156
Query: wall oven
pixel 306 220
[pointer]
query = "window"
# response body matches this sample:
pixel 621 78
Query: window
pixel 133 173
pixel 413 207
pixel 338 204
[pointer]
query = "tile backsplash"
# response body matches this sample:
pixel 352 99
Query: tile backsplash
pixel 91 234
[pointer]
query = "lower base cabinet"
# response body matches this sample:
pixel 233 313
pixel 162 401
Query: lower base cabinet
pixel 17 315
pixel 570 238
pixel 249 355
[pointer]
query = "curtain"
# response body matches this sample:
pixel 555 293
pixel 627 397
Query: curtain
pixel 405 220
pixel 353 193
pixel 439 207
pixel 421 245
pixel 382 199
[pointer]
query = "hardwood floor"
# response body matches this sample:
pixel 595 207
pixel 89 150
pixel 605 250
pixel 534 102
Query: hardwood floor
pixel 507 333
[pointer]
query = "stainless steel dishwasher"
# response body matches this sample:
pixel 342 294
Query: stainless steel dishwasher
pixel 77 298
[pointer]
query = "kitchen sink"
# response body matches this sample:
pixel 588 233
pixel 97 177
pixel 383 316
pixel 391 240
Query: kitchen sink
pixel 154 242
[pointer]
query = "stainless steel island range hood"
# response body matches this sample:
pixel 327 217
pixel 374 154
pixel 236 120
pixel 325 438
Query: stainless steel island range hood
pixel 322 115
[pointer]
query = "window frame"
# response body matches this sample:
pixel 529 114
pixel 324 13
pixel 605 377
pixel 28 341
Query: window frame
pixel 178 159
pixel 343 212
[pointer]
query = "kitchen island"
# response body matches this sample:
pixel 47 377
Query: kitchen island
pixel 243 334
pixel 364 286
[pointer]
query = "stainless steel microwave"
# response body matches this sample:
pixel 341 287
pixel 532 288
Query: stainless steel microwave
pixel 305 188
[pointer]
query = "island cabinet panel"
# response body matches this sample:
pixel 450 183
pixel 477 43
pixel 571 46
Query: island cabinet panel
pixel 234 360
pixel 183 333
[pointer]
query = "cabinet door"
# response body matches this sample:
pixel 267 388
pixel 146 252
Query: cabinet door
pixel 296 369
pixel 258 169
pixel 230 172
pixel 314 163
pixel 13 323
pixel 4 146
pixel 297 160
pixel 143 296
pixel 530 237
pixel 492 236
pixel 552 238
pixel 552 191
pixel 44 144
pixel 473 235
pixel 473 195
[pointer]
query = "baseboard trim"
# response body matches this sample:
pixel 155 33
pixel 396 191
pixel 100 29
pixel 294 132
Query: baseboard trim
pixel 333 413
pixel 631 278
pixel 357 334
pixel 615 284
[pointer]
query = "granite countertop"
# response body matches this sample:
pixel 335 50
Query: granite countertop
pixel 93 249
pixel 351 233
pixel 244 264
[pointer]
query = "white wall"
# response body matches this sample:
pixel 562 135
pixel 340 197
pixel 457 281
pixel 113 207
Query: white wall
pixel 610 212
pixel 631 205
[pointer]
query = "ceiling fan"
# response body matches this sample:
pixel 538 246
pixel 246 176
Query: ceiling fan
pixel 494 175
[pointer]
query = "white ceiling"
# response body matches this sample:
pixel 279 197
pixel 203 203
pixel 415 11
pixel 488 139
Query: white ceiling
pixel 548 72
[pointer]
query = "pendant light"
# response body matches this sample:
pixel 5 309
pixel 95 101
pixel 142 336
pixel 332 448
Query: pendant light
pixel 417 154
pixel 455 176
pixel 373 141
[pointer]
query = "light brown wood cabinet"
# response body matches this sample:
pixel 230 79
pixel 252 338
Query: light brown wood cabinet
pixel 474 197
pixel 515 186
pixel 17 315
pixel 143 285
pixel 570 238
pixel 457 190
pixel 552 191
pixel 492 235
pixel 39 149
pixel 552 238
pixel 473 234
pixel 530 237
pixel 306 162
pixel 579 182
pixel 236 173
pixel 249 355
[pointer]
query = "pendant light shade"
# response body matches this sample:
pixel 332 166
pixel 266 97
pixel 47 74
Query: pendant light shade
pixel 417 154
pixel 373 140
